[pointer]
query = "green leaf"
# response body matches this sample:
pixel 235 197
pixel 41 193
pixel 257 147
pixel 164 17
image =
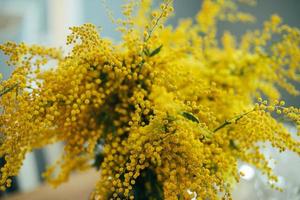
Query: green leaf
pixel 233 144
pixel 155 51
pixel 179 197
pixel 147 187
pixel 104 77
pixel 190 116
pixel 98 160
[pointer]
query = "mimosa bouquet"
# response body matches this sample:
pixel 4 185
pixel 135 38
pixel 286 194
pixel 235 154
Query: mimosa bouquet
pixel 167 113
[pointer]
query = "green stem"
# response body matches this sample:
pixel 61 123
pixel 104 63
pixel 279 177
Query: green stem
pixel 226 122
pixel 150 31
pixel 6 90
pixel 232 120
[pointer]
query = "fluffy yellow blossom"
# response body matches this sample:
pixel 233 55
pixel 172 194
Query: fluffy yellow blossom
pixel 165 114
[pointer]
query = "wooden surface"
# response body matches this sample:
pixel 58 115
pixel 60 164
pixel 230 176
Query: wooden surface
pixel 78 187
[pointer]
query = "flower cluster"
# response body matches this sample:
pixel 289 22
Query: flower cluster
pixel 166 114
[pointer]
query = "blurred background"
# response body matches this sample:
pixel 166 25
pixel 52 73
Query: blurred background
pixel 46 22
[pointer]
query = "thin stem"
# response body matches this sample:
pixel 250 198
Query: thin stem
pixel 232 120
pixel 8 89
pixel 225 123
pixel 157 20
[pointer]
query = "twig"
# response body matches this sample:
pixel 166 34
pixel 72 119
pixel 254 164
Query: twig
pixel 8 89
pixel 232 120
pixel 156 22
